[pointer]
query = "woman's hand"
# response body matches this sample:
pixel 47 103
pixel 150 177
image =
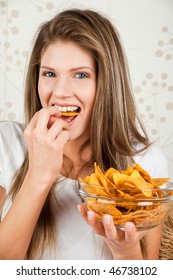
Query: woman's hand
pixel 123 244
pixel 45 136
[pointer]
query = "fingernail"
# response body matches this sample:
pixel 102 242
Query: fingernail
pixel 107 219
pixel 129 226
pixel 90 215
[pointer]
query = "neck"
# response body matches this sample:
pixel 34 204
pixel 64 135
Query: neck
pixel 74 161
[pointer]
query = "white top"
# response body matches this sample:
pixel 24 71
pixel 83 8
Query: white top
pixel 75 238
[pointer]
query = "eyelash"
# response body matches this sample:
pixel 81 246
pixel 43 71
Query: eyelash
pixel 84 75
pixel 49 74
pixel 78 75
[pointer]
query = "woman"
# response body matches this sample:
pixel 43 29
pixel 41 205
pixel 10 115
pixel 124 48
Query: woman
pixel 79 110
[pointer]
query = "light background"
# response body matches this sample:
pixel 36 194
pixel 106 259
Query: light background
pixel 146 27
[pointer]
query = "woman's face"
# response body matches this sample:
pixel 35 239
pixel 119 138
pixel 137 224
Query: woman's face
pixel 67 80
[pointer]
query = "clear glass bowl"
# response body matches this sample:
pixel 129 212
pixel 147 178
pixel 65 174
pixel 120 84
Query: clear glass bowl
pixel 145 210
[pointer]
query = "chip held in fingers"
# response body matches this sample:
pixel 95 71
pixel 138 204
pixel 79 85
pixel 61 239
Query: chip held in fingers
pixel 69 113
pixel 128 195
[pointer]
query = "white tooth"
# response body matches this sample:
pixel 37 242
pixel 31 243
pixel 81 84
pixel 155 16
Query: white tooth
pixel 66 108
pixel 58 107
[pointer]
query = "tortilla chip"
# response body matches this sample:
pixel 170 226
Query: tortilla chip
pixel 69 113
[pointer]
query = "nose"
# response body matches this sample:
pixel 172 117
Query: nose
pixel 62 88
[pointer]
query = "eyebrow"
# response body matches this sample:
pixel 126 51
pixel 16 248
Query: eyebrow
pixel 72 69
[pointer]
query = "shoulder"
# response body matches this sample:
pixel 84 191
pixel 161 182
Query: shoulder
pixel 11 137
pixel 153 160
pixel 9 127
pixel 10 130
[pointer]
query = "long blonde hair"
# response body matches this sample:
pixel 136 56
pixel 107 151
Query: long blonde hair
pixel 115 125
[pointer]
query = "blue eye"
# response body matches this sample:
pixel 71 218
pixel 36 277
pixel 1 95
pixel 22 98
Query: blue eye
pixel 49 74
pixel 81 75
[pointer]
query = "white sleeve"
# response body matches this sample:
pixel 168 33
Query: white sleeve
pixel 154 161
pixel 12 151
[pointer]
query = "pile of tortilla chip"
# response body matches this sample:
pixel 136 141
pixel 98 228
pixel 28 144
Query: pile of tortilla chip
pixel 129 187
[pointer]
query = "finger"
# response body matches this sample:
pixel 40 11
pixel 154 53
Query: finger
pixel 44 116
pixel 95 223
pixel 82 211
pixel 41 118
pixel 28 131
pixel 54 117
pixel 90 218
pixel 38 124
pixel 111 231
pixel 57 128
pixel 32 122
pixel 130 232
pixel 62 138
pixel 52 120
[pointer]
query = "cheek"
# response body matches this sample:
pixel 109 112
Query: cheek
pixel 89 104
pixel 91 98
pixel 89 93
pixel 44 94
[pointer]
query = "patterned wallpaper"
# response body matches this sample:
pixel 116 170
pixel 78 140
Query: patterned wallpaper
pixel 146 27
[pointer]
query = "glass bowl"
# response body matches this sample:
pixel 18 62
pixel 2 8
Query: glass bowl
pixel 146 209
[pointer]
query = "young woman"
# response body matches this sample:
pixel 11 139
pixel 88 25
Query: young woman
pixel 77 68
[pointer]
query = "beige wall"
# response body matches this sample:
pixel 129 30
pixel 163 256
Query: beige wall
pixel 146 27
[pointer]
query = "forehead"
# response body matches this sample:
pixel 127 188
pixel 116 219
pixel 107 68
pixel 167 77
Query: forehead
pixel 66 53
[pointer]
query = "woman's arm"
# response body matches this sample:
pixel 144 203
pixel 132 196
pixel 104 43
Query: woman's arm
pixel 45 143
pixel 153 242
pixel 17 227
